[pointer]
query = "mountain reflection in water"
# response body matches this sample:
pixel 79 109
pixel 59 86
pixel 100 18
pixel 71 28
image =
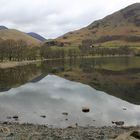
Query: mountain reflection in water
pixel 117 76
pixel 53 95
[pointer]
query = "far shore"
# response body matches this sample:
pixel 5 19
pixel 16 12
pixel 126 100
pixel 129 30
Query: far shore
pixel 11 64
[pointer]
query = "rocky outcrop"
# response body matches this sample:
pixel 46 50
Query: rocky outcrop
pixel 133 135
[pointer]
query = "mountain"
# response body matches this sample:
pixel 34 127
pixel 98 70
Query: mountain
pixel 37 36
pixel 14 34
pixel 121 27
pixel 3 28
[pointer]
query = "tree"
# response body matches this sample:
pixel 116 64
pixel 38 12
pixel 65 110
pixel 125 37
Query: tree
pixel 10 46
pixel 21 50
pixel 86 47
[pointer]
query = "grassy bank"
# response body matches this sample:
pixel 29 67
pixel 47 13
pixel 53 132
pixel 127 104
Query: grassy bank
pixel 10 64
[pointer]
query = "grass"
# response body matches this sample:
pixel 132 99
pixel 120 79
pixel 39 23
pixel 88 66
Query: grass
pixel 108 44
pixel 66 48
pixel 118 43
pixel 18 35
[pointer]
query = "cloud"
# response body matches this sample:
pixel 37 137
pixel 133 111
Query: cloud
pixel 52 18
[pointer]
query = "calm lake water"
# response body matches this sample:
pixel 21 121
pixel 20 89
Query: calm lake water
pixel 109 86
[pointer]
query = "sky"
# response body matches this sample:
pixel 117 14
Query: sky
pixel 53 18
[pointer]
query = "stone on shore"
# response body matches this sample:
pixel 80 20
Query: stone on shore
pixel 85 109
pixel 133 135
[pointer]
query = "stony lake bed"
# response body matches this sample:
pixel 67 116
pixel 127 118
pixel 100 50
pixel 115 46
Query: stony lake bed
pixel 73 99
pixel 17 131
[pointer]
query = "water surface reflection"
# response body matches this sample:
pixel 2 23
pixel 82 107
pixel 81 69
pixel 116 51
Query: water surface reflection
pixel 34 90
pixel 53 95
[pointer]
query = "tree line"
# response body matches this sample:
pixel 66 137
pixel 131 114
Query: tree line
pixel 87 48
pixel 11 50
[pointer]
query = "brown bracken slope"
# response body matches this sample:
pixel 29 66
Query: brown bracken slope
pixel 18 35
pixel 122 26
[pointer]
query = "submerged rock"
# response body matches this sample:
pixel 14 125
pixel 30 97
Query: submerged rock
pixel 5 122
pixel 65 113
pixel 124 108
pixel 15 117
pixel 9 117
pixel 119 123
pixel 43 116
pixel 86 109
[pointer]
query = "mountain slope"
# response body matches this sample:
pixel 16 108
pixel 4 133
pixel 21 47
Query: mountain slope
pixel 37 36
pixel 18 35
pixel 3 28
pixel 123 26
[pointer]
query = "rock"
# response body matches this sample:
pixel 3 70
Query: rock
pixel 85 109
pixel 135 134
pixel 15 117
pixel 76 124
pixel 9 117
pixel 11 135
pixel 43 116
pixel 65 113
pixel 119 123
pixel 66 75
pixel 124 108
pixel 5 122
pixel 5 130
pixel 72 126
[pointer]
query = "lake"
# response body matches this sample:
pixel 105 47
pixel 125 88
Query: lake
pixel 54 92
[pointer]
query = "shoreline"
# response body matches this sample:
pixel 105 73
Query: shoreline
pixel 17 131
pixel 11 64
pixel 8 64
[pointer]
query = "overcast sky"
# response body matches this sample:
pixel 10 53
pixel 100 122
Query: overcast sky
pixel 52 18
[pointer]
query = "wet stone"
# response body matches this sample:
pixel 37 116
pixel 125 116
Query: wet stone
pixel 43 116
pixel 85 109
pixel 65 113
pixel 135 134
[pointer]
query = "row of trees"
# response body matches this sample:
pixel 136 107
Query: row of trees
pixel 19 50
pixel 122 50
pixel 51 53
pixel 48 52
pixel 87 48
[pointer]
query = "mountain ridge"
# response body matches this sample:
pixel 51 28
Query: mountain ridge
pixel 18 35
pixel 3 28
pixel 120 25
pixel 14 34
pixel 37 36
